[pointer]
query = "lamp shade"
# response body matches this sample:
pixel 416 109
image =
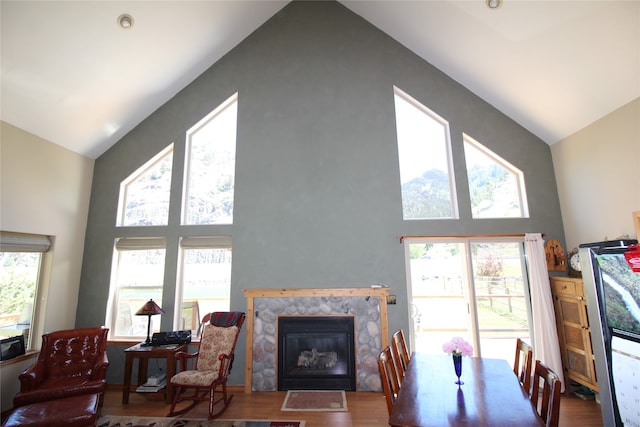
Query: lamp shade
pixel 149 309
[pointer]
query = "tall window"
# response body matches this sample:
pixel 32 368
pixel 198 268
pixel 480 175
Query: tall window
pixel 203 276
pixel 426 171
pixel 210 167
pixel 144 195
pixel 20 265
pixel 138 275
pixel 496 186
pixel 205 279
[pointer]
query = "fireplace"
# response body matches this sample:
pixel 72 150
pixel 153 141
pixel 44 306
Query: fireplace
pixel 316 352
pixel 367 305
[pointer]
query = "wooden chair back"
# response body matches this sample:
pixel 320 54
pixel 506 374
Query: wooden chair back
pixel 546 384
pixel 389 376
pixel 400 353
pixel 523 363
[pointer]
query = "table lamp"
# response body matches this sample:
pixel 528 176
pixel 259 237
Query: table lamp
pixel 149 309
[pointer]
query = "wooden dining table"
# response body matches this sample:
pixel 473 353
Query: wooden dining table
pixel 490 396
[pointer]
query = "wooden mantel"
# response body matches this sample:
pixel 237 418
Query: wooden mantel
pixel 251 294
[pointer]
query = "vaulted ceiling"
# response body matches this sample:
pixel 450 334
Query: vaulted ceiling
pixel 72 76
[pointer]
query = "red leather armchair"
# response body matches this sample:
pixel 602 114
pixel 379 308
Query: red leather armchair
pixel 70 363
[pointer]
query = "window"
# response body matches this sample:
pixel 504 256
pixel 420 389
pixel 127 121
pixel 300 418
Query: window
pixel 202 265
pixel 144 195
pixel 21 258
pixel 138 275
pixel 474 288
pixel 496 187
pixel 210 167
pixel 205 282
pixel 426 171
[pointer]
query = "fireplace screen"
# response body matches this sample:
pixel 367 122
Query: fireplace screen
pixel 316 352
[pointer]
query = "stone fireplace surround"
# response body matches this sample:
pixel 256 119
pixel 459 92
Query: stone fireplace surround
pixel 367 305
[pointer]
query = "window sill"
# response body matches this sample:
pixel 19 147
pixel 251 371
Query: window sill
pixel 129 343
pixel 31 354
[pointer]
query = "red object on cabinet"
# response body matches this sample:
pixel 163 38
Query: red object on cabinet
pixel 633 258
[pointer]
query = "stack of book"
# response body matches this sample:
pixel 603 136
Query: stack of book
pixel 153 384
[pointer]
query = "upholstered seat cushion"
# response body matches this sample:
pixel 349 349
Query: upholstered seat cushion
pixel 215 341
pixel 76 411
pixel 57 388
pixel 198 378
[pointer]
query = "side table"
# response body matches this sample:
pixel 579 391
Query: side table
pixel 143 354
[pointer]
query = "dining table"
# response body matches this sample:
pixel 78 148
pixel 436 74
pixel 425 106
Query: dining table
pixel 490 394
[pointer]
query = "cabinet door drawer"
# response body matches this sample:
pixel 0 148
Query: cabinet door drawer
pixel 578 363
pixel 568 287
pixel 571 310
pixel 580 368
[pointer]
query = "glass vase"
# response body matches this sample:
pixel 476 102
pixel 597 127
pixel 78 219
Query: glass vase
pixel 457 365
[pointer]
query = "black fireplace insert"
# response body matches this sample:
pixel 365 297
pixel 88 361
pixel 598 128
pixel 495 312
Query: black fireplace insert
pixel 316 353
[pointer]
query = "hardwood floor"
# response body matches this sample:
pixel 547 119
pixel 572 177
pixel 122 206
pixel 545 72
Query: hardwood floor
pixel 366 409
pixel 575 411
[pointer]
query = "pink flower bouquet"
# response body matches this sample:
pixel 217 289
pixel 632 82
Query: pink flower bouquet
pixel 458 346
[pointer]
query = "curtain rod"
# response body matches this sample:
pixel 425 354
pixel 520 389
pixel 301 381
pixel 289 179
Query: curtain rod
pixel 463 236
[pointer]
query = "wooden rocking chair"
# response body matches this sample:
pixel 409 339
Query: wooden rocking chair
pixel 212 365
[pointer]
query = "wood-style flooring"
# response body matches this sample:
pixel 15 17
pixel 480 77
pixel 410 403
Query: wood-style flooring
pixel 366 409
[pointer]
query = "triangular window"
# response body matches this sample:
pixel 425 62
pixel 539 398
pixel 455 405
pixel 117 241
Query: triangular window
pixel 210 167
pixel 424 150
pixel 144 195
pixel 496 186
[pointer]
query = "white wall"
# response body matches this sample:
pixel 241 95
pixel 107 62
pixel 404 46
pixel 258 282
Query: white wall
pixel 45 189
pixel 598 176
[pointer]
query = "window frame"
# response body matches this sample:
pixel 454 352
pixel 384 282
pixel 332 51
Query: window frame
pixel 124 244
pixel 510 168
pixel 193 243
pixel 172 239
pixel 14 242
pixel 453 196
pixel 137 174
pixel 468 277
pixel 186 178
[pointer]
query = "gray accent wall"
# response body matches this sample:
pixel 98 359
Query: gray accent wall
pixel 317 194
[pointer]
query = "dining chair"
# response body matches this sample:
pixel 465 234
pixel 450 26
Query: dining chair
pixel 522 364
pixel 400 354
pixel 547 383
pixel 389 377
pixel 213 363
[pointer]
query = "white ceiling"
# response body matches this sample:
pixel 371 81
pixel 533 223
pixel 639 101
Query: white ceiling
pixel 72 76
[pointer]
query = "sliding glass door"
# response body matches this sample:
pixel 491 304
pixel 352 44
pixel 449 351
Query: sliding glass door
pixel 473 288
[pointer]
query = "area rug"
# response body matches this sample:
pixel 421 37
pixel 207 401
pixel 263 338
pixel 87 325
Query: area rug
pixel 131 421
pixel 315 401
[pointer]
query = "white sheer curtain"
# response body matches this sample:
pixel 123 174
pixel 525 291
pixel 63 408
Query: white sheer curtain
pixel 545 336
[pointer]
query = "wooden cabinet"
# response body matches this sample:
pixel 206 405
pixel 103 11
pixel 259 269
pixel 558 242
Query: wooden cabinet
pixel 574 333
